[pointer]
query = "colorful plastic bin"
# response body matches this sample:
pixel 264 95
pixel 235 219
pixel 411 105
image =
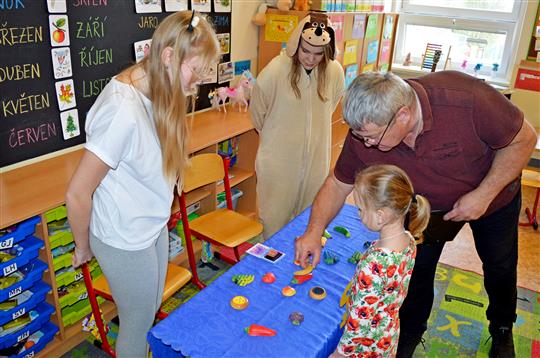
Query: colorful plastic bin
pixel 32 273
pixel 39 291
pixel 44 311
pixel 30 250
pixel 20 232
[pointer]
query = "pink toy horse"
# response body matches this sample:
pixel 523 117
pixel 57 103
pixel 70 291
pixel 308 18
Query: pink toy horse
pixel 237 95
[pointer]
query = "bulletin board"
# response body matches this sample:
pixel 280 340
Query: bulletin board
pixel 56 56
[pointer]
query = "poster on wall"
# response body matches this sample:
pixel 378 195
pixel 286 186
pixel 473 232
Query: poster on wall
pixel 201 5
pixel 351 49
pixel 358 26
pixel 371 28
pixel 147 6
pixel 176 5
pixel 279 27
pixel 350 74
pixel 222 5
pixel 372 51
pixel 337 24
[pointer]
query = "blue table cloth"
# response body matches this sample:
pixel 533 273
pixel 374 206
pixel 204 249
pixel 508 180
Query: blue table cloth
pixel 207 326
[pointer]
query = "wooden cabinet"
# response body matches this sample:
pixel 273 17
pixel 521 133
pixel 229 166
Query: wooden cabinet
pixel 36 188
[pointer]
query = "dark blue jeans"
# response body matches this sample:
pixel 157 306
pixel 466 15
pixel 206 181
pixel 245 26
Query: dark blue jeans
pixel 496 241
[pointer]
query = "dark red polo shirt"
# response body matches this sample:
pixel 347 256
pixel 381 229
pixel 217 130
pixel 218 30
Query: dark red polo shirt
pixel 465 122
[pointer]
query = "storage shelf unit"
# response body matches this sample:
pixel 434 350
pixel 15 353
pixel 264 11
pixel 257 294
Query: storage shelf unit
pixel 37 188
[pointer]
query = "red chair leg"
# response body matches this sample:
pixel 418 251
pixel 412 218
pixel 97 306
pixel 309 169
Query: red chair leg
pixel 189 244
pixel 95 310
pixel 531 216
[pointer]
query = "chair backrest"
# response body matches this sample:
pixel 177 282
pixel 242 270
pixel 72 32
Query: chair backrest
pixel 204 169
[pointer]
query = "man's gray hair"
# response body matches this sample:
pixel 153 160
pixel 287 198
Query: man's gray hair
pixel 375 97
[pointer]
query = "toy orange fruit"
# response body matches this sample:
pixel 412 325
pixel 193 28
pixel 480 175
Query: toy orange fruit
pixel 269 277
pixel 239 302
pixel 288 291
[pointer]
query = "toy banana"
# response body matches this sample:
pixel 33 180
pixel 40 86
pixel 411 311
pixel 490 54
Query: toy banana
pixel 342 230
pixel 305 271
pixel 345 295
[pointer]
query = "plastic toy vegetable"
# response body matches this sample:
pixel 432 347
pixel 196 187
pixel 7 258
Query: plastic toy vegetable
pixel 243 280
pixel 342 230
pixel 296 318
pixel 327 234
pixel 269 277
pixel 355 258
pixel 298 280
pixel 330 257
pixel 256 330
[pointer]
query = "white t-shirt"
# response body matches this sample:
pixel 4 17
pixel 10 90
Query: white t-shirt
pixel 132 203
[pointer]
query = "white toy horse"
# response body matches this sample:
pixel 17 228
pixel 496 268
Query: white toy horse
pixel 237 95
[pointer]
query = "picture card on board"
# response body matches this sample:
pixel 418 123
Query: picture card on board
pixel 61 60
pixel 55 6
pixel 201 5
pixel 222 5
pixel 358 26
pixel 144 6
pixel 224 43
pixel 70 124
pixel 211 76
pixel 59 30
pixel 225 72
pixel 176 5
pixel 142 48
pixel 65 94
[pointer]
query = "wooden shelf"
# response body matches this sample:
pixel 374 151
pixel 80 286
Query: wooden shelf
pixel 191 198
pixel 239 176
pixel 529 64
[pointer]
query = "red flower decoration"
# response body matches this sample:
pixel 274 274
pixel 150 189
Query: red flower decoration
pixel 353 324
pixel 376 320
pixel 402 267
pixel 364 312
pixel 363 341
pixel 364 281
pixel 384 343
pixel 391 287
pixel 391 270
pixel 375 268
pixel 371 299
pixel 347 349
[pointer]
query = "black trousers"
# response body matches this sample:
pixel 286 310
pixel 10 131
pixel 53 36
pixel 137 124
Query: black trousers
pixel 496 241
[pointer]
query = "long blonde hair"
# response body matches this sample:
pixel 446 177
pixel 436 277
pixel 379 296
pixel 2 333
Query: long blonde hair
pixel 169 102
pixel 296 71
pixel 387 186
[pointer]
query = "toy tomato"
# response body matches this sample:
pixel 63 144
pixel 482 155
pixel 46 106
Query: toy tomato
pixel 269 277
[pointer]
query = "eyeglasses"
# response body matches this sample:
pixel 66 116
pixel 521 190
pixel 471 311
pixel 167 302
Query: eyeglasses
pixel 369 140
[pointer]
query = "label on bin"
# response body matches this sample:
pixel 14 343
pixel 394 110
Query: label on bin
pixel 19 313
pixel 23 336
pixel 6 244
pixel 30 355
pixel 78 276
pixel 10 269
pixel 15 292
pixel 83 296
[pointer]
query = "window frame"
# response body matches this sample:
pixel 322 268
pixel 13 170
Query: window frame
pixel 473 20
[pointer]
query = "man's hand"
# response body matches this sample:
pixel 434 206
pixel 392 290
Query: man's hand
pixel 470 206
pixel 81 256
pixel 305 246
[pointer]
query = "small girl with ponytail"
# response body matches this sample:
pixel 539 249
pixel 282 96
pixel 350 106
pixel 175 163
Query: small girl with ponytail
pixel 385 198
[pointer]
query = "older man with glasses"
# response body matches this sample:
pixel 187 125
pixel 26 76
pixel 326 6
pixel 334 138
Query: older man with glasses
pixel 464 145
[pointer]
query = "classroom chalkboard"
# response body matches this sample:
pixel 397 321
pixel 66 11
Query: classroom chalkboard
pixel 101 37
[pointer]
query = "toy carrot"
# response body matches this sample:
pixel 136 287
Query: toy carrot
pixel 258 330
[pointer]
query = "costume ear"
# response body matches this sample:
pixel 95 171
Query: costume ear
pixel 294 40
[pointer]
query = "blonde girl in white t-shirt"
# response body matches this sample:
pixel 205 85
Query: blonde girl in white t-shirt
pixel 120 196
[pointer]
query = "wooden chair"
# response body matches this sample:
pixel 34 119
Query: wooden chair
pixel 531 178
pixel 176 278
pixel 221 227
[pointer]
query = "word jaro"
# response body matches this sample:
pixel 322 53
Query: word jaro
pixel 39 133
pixel 10 36
pixel 148 22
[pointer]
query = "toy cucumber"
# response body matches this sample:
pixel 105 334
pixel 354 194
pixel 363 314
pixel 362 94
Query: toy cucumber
pixel 342 230
pixel 327 234
pixel 243 280
pixel 355 258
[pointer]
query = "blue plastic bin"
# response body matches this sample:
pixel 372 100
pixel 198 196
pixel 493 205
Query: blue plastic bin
pixel 30 250
pixel 19 232
pixel 48 330
pixel 39 291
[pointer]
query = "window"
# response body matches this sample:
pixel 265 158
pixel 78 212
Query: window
pixel 481 35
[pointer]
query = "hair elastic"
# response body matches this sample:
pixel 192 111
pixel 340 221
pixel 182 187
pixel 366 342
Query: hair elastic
pixel 413 198
pixel 193 22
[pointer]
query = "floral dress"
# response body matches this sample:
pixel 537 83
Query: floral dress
pixel 377 291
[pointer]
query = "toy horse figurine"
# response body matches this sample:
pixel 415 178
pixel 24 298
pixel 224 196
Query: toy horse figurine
pixel 237 95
